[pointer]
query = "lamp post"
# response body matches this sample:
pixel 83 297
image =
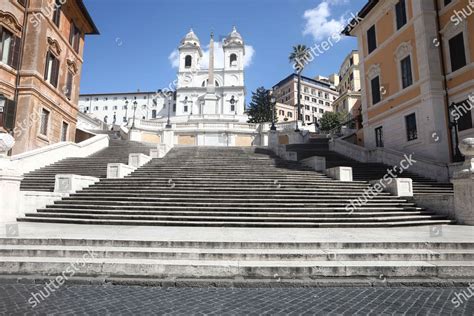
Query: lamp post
pixel 168 123
pixel 2 109
pixel 134 111
pixel 273 102
pixel 126 111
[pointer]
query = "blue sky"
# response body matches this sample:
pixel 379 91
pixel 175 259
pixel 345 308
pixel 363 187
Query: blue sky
pixel 137 37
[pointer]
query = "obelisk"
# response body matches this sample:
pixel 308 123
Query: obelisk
pixel 211 99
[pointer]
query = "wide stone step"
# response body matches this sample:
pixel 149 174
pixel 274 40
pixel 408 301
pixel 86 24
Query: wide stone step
pixel 229 201
pixel 217 244
pixel 152 206
pixel 258 224
pixel 112 194
pixel 367 213
pixel 230 268
pixel 237 254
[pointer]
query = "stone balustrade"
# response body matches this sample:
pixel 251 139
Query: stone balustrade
pixel 463 182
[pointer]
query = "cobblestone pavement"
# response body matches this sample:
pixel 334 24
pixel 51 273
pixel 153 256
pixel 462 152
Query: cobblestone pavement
pixel 128 300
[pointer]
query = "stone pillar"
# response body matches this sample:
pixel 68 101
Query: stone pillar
pixel 10 180
pixel 168 138
pixel 135 135
pixel 273 140
pixel 464 185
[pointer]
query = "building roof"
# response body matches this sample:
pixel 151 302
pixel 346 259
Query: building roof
pixel 118 93
pixel 304 79
pixel 362 14
pixel 88 17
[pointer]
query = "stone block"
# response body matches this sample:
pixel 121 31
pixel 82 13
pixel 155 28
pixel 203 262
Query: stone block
pixel 340 173
pixel 402 187
pixel 118 170
pixel 70 183
pixel 463 182
pixel 137 160
pixel 317 163
pixel 9 195
pixel 291 156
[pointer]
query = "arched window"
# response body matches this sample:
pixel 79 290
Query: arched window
pixel 188 61
pixel 233 60
pixel 153 114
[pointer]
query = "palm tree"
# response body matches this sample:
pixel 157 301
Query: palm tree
pixel 298 57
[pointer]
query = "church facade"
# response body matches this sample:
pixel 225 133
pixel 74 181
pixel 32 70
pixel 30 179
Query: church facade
pixel 209 106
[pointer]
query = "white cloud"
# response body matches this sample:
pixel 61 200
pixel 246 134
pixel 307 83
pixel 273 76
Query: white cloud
pixel 174 58
pixel 218 57
pixel 319 22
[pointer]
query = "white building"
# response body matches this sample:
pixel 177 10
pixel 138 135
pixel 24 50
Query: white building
pixel 213 91
pixel 118 108
pixel 316 96
pixel 349 86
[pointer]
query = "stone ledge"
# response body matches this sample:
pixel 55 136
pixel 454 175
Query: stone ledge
pixel 245 282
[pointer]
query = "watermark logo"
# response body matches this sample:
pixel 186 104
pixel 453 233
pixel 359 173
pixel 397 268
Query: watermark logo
pixel 12 230
pixel 436 231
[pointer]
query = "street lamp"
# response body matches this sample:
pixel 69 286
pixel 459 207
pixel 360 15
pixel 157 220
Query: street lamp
pixel 126 111
pixel 2 109
pixel 168 123
pixel 273 101
pixel 134 111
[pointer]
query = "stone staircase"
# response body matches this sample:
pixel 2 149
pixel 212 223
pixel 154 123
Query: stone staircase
pixel 95 165
pixel 230 187
pixel 366 171
pixel 214 260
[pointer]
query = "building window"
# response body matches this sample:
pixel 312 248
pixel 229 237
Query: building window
pixel 307 118
pixel 188 61
pixel 153 114
pixel 64 130
pixel 10 46
pixel 125 119
pixel 379 136
pixel 57 12
pixel 290 114
pixel 306 98
pixel 115 107
pixel 74 37
pixel 44 122
pixel 401 12
pixel 321 111
pixel 51 73
pixel 314 100
pixel 457 52
pixel 106 108
pixel 233 60
pixel 68 90
pixel 351 62
pixel 412 132
pixel 371 39
pixel 464 120
pixel 96 108
pixel 375 85
pixel 407 77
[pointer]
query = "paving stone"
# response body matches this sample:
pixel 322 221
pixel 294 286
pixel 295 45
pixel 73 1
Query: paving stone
pixel 136 300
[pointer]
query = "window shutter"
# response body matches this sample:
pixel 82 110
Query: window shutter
pixel 77 38
pixel 71 33
pixel 9 113
pixel 55 72
pixel 14 59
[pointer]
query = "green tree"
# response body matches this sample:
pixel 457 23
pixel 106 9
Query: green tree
pixel 331 120
pixel 261 107
pixel 299 58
